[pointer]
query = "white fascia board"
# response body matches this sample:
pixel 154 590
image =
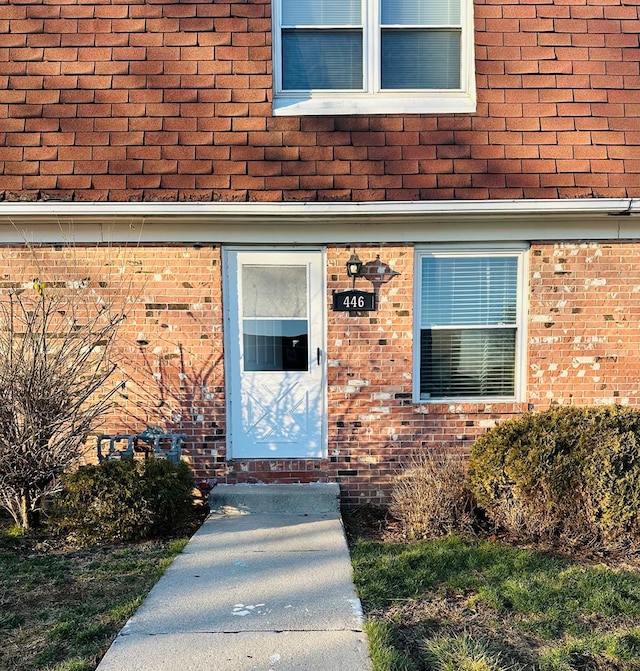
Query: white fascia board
pixel 319 222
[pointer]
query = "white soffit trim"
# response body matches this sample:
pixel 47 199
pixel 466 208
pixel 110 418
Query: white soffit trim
pixel 320 222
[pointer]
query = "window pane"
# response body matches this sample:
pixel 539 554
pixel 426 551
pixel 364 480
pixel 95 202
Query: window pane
pixel 315 59
pixel 420 12
pixel 274 291
pixel 275 344
pixel 420 59
pixel 456 363
pixel 321 13
pixel 469 291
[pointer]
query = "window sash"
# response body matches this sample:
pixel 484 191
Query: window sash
pixel 322 59
pixel 392 53
pixel 469 290
pixel 469 325
pixel 419 12
pixel 403 54
pixel 321 13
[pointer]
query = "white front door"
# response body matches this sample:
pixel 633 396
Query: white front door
pixel 274 353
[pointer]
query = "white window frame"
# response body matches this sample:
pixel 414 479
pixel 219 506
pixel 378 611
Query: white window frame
pixel 372 100
pixel 518 250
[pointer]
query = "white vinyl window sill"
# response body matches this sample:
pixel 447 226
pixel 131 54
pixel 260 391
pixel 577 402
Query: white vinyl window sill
pixel 404 103
pixel 465 400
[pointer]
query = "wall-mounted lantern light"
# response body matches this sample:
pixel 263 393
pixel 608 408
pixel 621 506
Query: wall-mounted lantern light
pixel 354 266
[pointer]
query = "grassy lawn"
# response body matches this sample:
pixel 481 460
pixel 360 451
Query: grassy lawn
pixel 458 604
pixel 60 609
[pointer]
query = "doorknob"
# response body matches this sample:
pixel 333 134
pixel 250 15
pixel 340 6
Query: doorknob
pixel 319 355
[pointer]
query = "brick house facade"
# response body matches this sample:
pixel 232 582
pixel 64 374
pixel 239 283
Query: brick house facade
pixel 149 135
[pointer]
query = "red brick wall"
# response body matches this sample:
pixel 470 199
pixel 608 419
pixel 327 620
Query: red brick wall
pixel 169 348
pixel 583 334
pixel 584 329
pixel 171 100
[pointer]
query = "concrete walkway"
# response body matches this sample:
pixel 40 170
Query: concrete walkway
pixel 264 585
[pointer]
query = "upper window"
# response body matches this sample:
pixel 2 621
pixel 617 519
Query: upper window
pixel 373 56
pixel 470 319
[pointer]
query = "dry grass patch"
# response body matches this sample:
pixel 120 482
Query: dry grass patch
pixel 60 608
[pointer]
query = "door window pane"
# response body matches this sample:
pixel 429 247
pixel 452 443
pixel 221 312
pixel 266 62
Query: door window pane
pixel 275 344
pixel 275 325
pixel 319 59
pixel 420 59
pixel 274 291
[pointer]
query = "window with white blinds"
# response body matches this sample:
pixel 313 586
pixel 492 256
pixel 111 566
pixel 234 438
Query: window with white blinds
pixel 469 320
pixel 373 56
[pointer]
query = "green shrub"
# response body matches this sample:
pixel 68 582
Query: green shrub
pixel 124 500
pixel 569 473
pixel 431 497
pixel 168 491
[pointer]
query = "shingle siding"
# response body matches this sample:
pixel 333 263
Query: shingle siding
pixel 169 100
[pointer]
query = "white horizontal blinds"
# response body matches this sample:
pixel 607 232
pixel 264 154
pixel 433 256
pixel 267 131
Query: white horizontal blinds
pixel 321 13
pixel 420 12
pixel 468 323
pixel 469 291
pixel 420 44
pixel 322 45
pixel 420 59
pixel 467 364
pixel 316 60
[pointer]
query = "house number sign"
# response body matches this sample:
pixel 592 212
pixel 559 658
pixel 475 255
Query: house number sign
pixel 348 301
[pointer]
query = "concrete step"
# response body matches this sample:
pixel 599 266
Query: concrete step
pixel 303 499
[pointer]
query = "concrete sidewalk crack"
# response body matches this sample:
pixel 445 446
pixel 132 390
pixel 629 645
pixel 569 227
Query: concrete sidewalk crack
pixel 242 631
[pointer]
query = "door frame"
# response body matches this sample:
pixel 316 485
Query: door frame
pixel 232 372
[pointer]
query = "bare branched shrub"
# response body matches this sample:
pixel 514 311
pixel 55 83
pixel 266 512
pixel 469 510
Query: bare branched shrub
pixel 55 363
pixel 430 497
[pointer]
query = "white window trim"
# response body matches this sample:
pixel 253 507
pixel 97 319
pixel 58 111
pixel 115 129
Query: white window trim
pixel 519 250
pixel 375 101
